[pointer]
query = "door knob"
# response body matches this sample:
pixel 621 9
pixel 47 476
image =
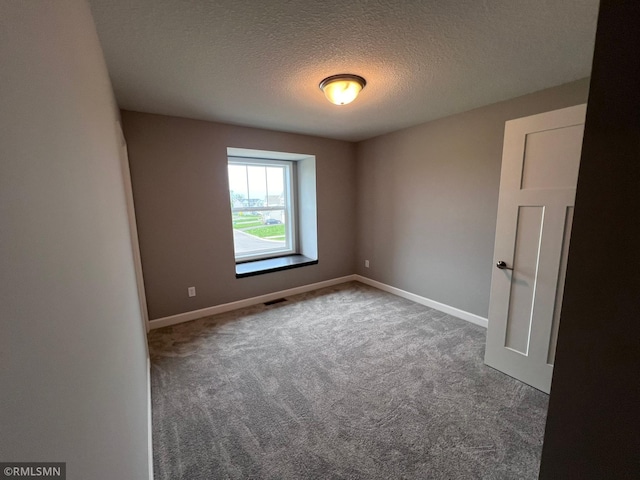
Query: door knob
pixel 503 266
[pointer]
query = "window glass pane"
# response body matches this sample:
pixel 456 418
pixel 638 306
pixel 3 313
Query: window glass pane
pixel 257 180
pixel 258 233
pixel 275 186
pixel 238 185
pixel 260 206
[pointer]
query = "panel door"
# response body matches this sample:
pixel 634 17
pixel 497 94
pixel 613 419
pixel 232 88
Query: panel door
pixel 541 157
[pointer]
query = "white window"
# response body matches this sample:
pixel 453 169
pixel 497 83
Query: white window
pixel 263 207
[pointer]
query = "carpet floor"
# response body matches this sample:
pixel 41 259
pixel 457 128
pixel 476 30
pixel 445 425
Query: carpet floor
pixel 347 382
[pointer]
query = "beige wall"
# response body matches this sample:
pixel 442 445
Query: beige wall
pixel 179 175
pixel 428 196
pixel 419 203
pixel 73 360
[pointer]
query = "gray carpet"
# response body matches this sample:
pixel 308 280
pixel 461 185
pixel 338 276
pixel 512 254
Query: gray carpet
pixel 343 383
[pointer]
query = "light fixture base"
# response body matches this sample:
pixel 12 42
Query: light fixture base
pixel 343 88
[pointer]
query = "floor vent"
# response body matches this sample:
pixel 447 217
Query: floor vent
pixel 273 302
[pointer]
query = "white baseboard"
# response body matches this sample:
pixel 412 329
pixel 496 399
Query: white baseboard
pixel 149 419
pixel 456 312
pixel 227 307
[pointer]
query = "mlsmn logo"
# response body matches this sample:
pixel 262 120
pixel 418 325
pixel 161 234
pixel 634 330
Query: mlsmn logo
pixel 39 470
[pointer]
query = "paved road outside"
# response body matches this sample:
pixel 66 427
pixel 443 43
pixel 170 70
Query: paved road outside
pixel 246 243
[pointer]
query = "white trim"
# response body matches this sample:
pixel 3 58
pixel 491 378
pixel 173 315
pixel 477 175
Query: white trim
pixel 149 419
pixel 289 208
pixel 266 154
pixel 456 312
pixel 133 228
pixel 227 307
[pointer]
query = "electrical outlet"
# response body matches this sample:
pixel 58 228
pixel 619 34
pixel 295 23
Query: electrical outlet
pixel 192 291
pixel 366 263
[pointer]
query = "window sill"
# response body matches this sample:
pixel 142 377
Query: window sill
pixel 259 267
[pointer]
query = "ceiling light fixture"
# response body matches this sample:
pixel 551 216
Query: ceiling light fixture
pixel 342 89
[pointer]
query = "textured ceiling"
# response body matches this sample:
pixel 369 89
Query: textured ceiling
pixel 256 63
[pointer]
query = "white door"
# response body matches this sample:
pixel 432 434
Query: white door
pixel 540 161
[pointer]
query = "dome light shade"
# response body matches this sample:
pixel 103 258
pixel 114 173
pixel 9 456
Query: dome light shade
pixel 342 89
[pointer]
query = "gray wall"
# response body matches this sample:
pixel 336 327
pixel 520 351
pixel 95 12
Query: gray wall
pixel 593 423
pixel 73 361
pixel 179 175
pixel 428 196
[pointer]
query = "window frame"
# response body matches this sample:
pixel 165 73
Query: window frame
pixel 289 208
